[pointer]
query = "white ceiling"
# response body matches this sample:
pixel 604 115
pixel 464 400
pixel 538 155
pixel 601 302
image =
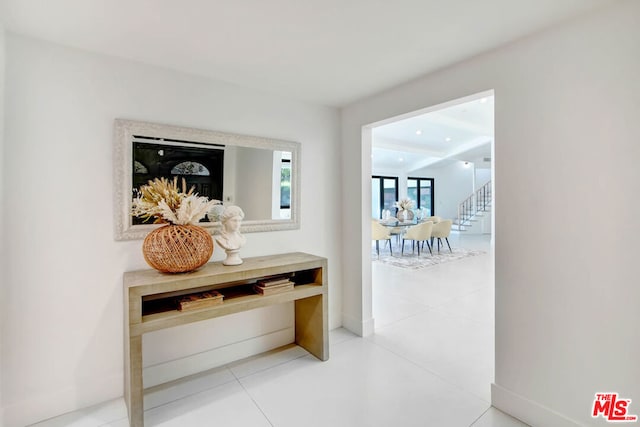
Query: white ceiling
pixel 462 131
pixel 329 52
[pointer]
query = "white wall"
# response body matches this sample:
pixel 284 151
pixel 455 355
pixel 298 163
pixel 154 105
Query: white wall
pixel 2 246
pixel 230 175
pixel 453 183
pixel 483 175
pixel 567 108
pixel 62 334
pixel 257 164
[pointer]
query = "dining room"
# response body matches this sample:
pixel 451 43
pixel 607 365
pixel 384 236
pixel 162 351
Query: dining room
pixel 431 177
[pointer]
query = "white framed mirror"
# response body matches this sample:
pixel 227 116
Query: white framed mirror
pixel 261 175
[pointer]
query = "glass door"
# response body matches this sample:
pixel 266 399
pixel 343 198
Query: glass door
pixel 384 193
pixel 421 191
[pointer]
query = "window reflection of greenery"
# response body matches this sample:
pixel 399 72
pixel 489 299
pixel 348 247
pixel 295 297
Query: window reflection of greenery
pixel 285 184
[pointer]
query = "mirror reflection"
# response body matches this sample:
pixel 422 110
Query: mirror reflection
pixel 258 174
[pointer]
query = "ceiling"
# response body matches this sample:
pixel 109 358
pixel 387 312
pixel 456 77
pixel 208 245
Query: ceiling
pixel 459 132
pixel 327 52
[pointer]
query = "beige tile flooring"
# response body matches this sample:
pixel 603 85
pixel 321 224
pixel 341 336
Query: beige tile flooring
pixel 429 363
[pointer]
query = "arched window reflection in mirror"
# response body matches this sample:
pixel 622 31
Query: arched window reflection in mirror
pixel 190 168
pixel 139 168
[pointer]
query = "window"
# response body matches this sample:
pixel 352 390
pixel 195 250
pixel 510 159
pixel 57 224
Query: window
pixel 285 184
pixel 384 193
pixel 421 190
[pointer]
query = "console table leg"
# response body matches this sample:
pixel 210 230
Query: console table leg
pixel 312 328
pixel 134 392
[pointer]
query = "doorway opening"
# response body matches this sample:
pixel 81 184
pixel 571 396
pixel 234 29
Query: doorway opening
pixel 437 306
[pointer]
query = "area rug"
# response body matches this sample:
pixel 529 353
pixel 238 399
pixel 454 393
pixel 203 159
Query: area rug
pixel 415 262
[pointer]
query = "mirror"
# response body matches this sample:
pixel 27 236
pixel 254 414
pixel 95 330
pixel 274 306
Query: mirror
pixel 261 175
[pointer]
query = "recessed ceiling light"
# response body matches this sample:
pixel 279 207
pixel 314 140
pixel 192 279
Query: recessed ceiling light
pixel 418 132
pixel 447 139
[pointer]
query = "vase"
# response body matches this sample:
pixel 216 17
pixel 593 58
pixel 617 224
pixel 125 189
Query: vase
pixel 405 215
pixel 177 248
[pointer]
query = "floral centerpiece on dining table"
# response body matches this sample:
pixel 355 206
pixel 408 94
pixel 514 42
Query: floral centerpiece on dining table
pixel 180 245
pixel 404 209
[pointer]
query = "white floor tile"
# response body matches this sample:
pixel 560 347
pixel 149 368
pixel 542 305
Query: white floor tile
pixel 475 378
pixel 453 336
pixel 434 337
pixel 496 418
pixel 361 385
pixel 251 365
pixel 478 306
pixel 340 335
pixel 391 307
pixel 89 417
pixel 174 390
pixel 226 405
pixel 432 286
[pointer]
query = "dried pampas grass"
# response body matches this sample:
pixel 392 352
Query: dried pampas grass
pixel 162 200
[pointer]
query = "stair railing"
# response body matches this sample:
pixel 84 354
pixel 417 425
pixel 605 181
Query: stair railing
pixel 478 201
pixel 483 197
pixel 465 211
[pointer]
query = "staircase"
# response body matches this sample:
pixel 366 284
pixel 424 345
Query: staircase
pixel 477 205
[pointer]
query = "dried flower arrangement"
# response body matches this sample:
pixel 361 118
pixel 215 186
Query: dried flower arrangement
pixel 161 199
pixel 404 204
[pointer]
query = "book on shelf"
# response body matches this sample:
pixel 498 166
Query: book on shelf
pixel 273 281
pixel 200 300
pixel 268 290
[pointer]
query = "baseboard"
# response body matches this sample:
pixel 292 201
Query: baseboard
pixel 358 326
pixel 192 364
pixel 526 410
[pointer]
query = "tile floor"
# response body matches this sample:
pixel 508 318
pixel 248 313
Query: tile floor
pixel 429 363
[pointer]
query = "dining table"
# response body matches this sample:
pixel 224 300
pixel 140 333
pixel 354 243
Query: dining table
pixel 401 225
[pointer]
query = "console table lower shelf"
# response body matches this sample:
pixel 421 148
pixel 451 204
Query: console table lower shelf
pixel 151 303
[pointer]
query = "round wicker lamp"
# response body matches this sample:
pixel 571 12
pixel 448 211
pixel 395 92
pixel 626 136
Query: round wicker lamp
pixel 177 248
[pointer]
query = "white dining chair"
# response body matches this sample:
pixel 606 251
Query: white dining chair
pixel 434 219
pixel 418 233
pixel 380 232
pixel 441 231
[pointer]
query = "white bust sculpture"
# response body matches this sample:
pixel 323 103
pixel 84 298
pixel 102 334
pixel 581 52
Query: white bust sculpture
pixel 230 238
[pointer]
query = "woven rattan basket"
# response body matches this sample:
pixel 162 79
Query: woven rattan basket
pixel 177 248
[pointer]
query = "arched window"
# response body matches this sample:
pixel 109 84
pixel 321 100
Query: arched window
pixel 190 168
pixel 139 168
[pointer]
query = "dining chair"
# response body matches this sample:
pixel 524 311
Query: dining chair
pixel 418 233
pixel 434 219
pixel 396 231
pixel 441 231
pixel 380 232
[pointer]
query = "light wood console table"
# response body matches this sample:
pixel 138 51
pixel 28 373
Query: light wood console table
pixel 150 305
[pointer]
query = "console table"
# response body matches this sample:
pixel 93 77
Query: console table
pixel 150 304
